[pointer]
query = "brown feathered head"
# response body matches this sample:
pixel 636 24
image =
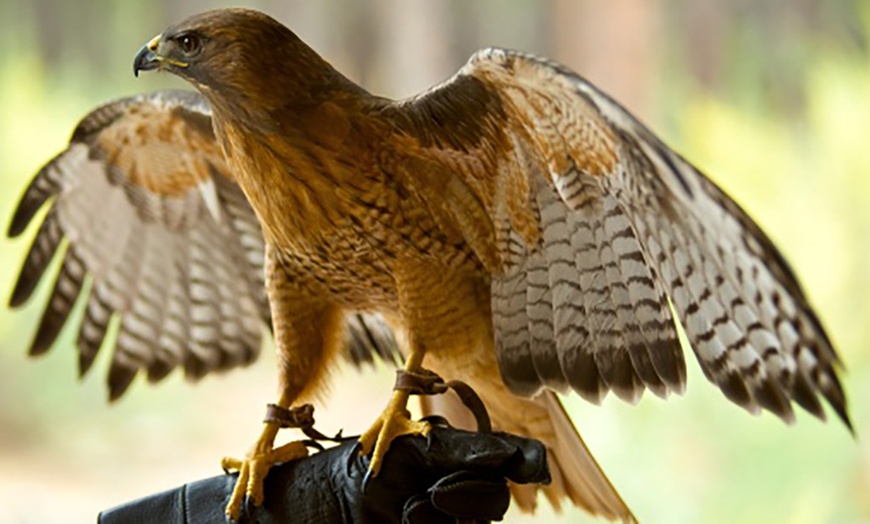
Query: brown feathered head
pixel 239 57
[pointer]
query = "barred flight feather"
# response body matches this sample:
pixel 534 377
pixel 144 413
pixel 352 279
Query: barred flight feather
pixel 510 320
pixel 643 226
pixel 141 243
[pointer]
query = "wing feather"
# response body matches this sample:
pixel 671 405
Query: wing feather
pixel 625 229
pixel 547 313
pixel 140 241
pixel 45 245
pixel 511 322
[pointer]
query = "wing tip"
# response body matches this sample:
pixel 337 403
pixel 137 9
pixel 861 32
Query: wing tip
pixel 777 398
pixel 86 360
pixel 21 293
pixel 195 367
pixel 584 376
pixel 833 393
pixel 20 221
pixel 46 335
pixel 770 396
pixel 25 210
pixel 39 347
pixel 119 379
pixel 524 385
pixel 847 421
pixel 631 396
pixel 42 186
pixel 159 370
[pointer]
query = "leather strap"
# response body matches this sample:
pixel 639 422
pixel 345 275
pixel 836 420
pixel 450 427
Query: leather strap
pixel 298 417
pixel 427 382
pixel 423 382
pixel 301 417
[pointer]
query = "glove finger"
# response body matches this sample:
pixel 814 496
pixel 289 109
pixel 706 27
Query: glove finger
pixel 528 464
pixel 520 459
pixel 468 495
pixel 453 449
pixel 419 510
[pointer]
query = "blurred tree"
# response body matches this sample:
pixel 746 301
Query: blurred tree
pixel 614 44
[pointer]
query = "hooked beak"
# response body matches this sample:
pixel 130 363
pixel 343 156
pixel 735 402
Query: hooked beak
pixel 147 58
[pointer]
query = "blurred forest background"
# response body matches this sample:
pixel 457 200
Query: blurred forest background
pixel 771 98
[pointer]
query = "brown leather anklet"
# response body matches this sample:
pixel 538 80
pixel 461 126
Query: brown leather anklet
pixel 427 382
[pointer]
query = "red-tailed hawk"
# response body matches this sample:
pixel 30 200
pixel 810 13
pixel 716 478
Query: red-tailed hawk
pixel 523 230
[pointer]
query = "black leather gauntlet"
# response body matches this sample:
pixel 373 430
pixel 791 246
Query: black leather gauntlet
pixel 450 476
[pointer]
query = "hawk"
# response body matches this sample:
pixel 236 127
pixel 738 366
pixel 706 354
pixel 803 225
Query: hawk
pixel 521 229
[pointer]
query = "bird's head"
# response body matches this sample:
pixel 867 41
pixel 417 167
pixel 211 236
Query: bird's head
pixel 237 55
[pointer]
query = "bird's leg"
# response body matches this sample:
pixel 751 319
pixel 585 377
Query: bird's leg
pixel 395 420
pixel 253 469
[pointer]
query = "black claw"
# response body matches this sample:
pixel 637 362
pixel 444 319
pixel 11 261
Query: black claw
pixel 351 458
pixel 366 480
pixel 249 510
pixel 313 444
pixel 436 420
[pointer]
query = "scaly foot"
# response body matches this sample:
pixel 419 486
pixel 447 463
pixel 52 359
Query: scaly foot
pixel 252 472
pixel 254 468
pixel 393 422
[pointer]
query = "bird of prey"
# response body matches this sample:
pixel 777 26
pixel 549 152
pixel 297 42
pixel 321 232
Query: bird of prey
pixel 521 230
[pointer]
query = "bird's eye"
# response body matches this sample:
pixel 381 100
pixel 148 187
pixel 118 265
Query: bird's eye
pixel 189 43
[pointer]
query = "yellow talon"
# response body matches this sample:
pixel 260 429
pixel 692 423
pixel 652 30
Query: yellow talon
pixel 254 468
pixel 394 422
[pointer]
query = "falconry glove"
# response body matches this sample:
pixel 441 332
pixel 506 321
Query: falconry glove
pixel 448 476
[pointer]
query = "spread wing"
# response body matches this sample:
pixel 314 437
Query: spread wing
pixel 153 229
pixel 593 230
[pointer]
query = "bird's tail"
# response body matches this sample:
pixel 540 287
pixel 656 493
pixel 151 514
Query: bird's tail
pixel 576 475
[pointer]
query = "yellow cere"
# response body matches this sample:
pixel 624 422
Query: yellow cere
pixel 152 46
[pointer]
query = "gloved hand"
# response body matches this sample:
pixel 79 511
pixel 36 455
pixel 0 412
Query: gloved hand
pixel 450 476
